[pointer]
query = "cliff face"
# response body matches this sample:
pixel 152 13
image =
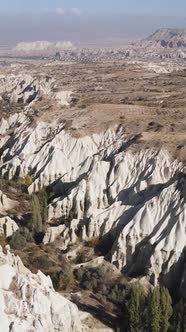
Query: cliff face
pixel 132 199
pixel 171 38
pixel 29 302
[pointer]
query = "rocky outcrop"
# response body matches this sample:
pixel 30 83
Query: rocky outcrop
pixel 6 204
pixel 104 187
pixel 7 226
pixel 26 89
pixel 28 302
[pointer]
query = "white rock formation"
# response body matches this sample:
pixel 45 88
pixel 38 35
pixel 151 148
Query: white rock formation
pixel 53 233
pixel 6 204
pixel 24 88
pixel 42 46
pixel 132 200
pixel 7 226
pixel 28 301
pixel 64 97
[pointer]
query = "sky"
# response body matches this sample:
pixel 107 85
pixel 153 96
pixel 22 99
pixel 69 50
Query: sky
pixel 158 7
pixel 86 21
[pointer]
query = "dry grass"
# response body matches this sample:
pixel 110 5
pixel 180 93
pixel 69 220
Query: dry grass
pixel 114 93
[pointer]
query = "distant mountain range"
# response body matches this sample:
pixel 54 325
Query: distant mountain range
pixel 168 38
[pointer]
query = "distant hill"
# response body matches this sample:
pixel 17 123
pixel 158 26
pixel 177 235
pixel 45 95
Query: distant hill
pixel 41 47
pixel 170 38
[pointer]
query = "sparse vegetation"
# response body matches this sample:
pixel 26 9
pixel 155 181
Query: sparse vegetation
pixel 141 101
pixel 93 242
pixel 65 219
pixel 61 280
pixel 102 283
pixel 139 311
pixel 3 241
pixel 20 238
pixel 28 180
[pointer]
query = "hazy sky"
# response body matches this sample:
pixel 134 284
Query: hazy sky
pixel 86 20
pixel 168 7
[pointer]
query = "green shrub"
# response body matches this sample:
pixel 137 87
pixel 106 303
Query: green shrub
pixel 17 183
pixel 101 283
pixel 41 262
pixel 117 293
pixel 28 180
pixel 79 274
pixel 3 242
pixel 65 280
pixel 62 280
pixel 91 278
pixel 20 238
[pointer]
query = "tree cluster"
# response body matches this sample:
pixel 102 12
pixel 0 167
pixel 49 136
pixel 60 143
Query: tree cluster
pixel 148 313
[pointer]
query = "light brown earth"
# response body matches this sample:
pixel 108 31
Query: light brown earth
pixel 139 96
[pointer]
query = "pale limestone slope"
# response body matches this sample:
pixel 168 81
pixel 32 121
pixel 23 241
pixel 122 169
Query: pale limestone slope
pixel 28 302
pixel 133 200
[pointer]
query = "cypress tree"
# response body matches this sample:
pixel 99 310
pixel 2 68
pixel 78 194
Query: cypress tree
pixel 42 196
pixel 166 309
pixel 179 316
pixel 154 310
pixel 177 319
pixel 135 309
pixel 36 215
